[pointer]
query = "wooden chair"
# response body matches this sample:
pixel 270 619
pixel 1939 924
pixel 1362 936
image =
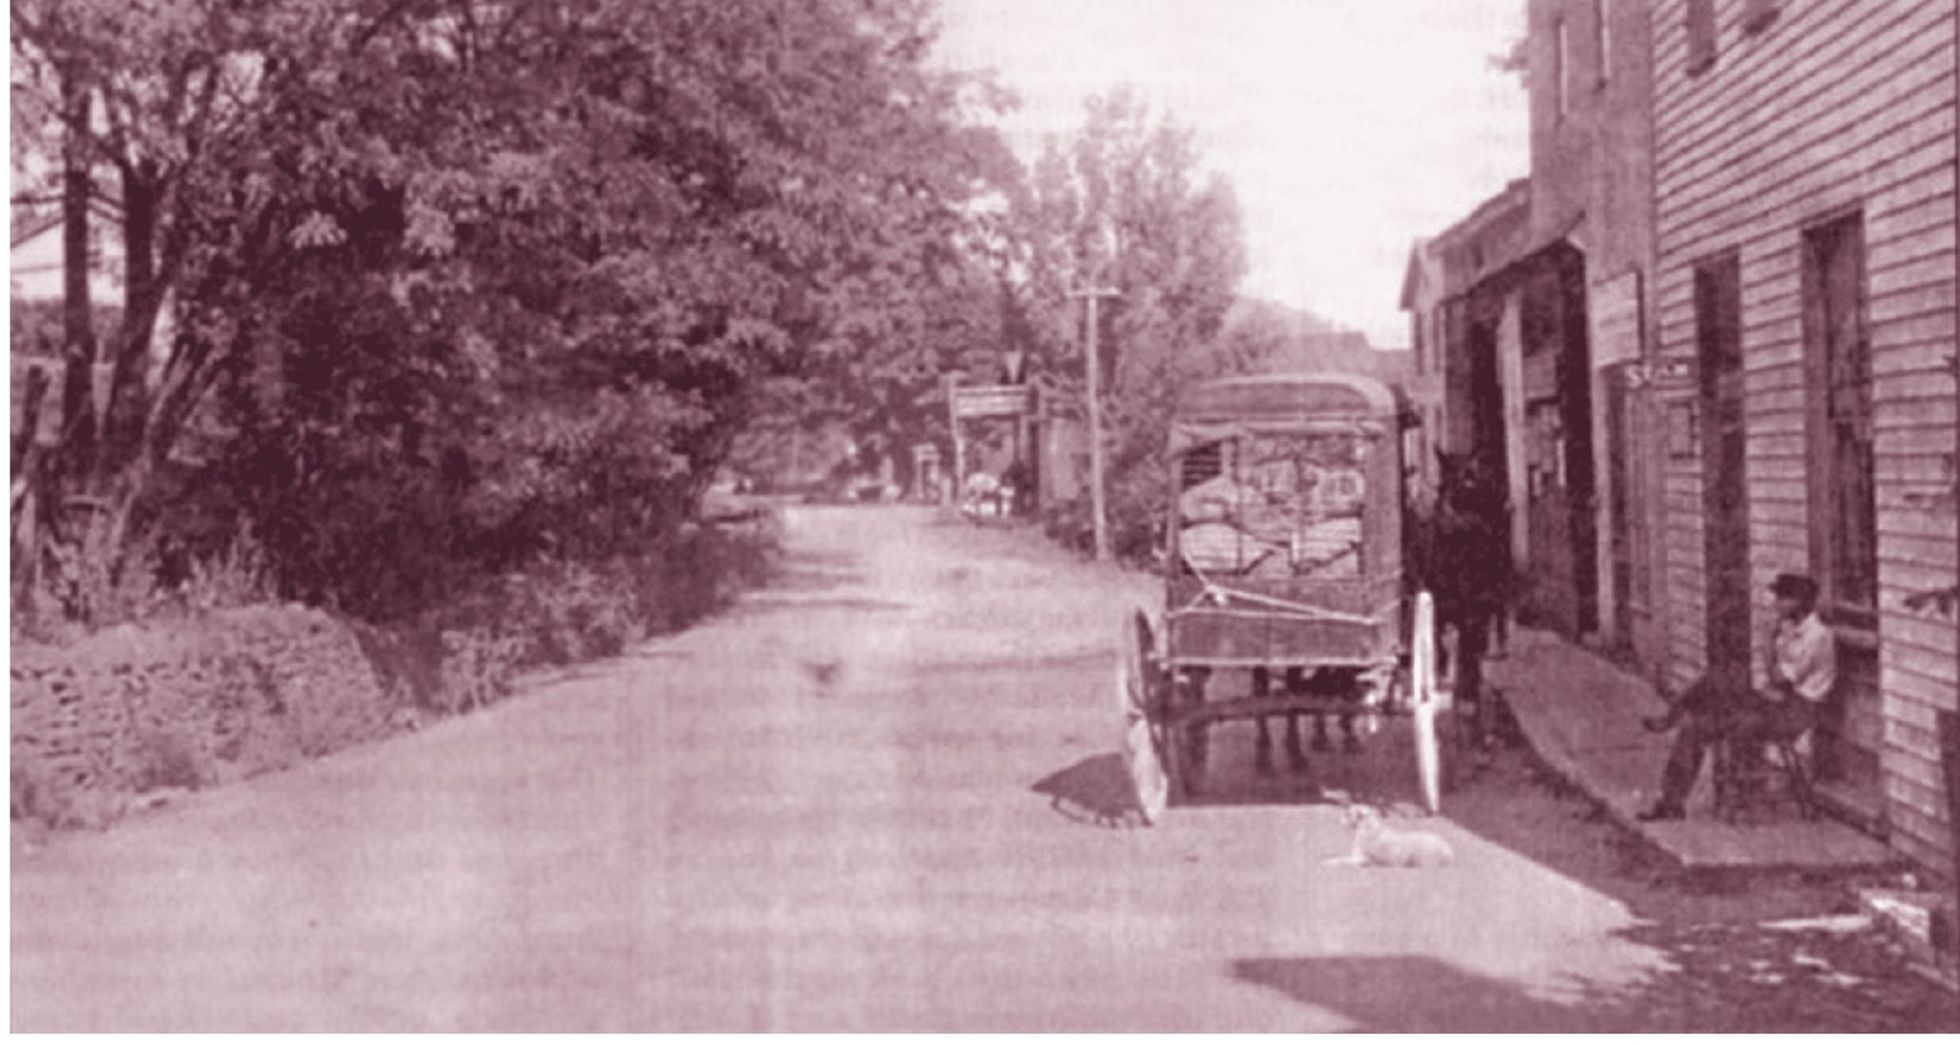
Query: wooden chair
pixel 1740 776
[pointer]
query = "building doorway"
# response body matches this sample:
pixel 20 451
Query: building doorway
pixel 1562 574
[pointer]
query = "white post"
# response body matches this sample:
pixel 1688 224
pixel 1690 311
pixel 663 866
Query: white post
pixel 1092 363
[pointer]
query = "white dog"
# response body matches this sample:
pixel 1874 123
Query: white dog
pixel 1376 845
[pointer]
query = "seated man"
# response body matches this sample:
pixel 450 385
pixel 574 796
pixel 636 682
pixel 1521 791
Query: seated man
pixel 1802 670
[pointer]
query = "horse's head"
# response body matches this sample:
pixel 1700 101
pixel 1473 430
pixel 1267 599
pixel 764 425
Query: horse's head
pixel 1467 482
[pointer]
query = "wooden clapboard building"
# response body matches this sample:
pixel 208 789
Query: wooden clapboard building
pixel 1804 164
pixel 1586 414
pixel 1542 296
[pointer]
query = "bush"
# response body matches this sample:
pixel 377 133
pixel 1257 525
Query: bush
pixel 466 654
pixel 479 666
pixel 81 587
pixel 562 612
pixel 1136 508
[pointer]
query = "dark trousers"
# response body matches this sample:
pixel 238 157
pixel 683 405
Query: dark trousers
pixel 1708 715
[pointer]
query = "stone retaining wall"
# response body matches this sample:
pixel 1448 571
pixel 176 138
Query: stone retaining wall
pixel 185 704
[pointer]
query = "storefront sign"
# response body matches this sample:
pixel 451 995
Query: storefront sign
pixel 990 401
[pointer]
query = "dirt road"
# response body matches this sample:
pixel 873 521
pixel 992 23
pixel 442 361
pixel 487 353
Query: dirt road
pixel 879 796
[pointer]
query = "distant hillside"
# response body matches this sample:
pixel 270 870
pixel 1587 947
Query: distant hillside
pixel 1300 340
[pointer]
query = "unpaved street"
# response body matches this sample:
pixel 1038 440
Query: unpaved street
pixel 879 796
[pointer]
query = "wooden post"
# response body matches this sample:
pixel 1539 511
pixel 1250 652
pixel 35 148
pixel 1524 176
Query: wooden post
pixel 1099 510
pixel 959 444
pixel 1092 365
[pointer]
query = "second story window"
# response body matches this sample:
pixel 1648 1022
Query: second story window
pixel 1701 36
pixel 1561 75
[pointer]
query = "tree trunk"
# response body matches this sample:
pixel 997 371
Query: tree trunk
pixel 121 430
pixel 32 401
pixel 78 347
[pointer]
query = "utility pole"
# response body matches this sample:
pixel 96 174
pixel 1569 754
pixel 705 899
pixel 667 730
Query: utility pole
pixel 1092 363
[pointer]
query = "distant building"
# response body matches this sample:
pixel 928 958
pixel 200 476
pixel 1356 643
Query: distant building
pixel 1463 296
pixel 1591 88
pixel 34 261
pixel 36 284
pixel 1422 299
pixel 1533 308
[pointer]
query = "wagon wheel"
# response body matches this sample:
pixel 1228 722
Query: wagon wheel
pixel 1425 703
pixel 1139 689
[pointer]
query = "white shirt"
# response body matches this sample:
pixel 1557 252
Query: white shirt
pixel 1806 656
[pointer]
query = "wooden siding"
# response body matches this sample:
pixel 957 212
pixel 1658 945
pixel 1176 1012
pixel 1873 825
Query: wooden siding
pixel 1838 106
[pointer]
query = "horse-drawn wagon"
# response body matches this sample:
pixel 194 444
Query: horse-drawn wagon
pixel 1283 567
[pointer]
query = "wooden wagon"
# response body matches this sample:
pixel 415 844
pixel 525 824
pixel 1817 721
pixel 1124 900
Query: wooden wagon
pixel 1283 565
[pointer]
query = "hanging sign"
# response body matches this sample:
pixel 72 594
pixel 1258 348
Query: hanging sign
pixel 990 401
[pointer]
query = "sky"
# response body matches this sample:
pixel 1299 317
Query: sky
pixel 1348 127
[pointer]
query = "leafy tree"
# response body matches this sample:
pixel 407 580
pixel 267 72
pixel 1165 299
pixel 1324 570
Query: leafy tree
pixel 457 284
pixel 163 113
pixel 1124 206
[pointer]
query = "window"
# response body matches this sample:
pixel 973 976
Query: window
pixel 1843 501
pixel 1757 16
pixel 1701 36
pixel 1563 70
pixel 1602 40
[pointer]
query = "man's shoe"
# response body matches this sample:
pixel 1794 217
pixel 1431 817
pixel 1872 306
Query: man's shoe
pixel 1661 811
pixel 1657 723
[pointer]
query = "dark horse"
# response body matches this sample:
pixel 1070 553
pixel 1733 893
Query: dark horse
pixel 1461 553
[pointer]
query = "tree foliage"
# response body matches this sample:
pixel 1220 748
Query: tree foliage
pixel 1124 206
pixel 447 285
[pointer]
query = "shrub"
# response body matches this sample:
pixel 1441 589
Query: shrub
pixel 237 576
pixel 563 612
pixel 1135 507
pixel 82 588
pixel 479 665
pixel 81 583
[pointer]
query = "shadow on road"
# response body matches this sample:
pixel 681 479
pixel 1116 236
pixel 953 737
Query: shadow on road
pixel 767 599
pixel 1412 994
pixel 1508 798
pixel 1720 968
pixel 803 570
pixel 1715 979
pixel 1095 790
pixel 1380 773
pixel 805 580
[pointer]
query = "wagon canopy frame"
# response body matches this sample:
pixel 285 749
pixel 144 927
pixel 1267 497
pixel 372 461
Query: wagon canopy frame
pixel 1322 581
pixel 1283 535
